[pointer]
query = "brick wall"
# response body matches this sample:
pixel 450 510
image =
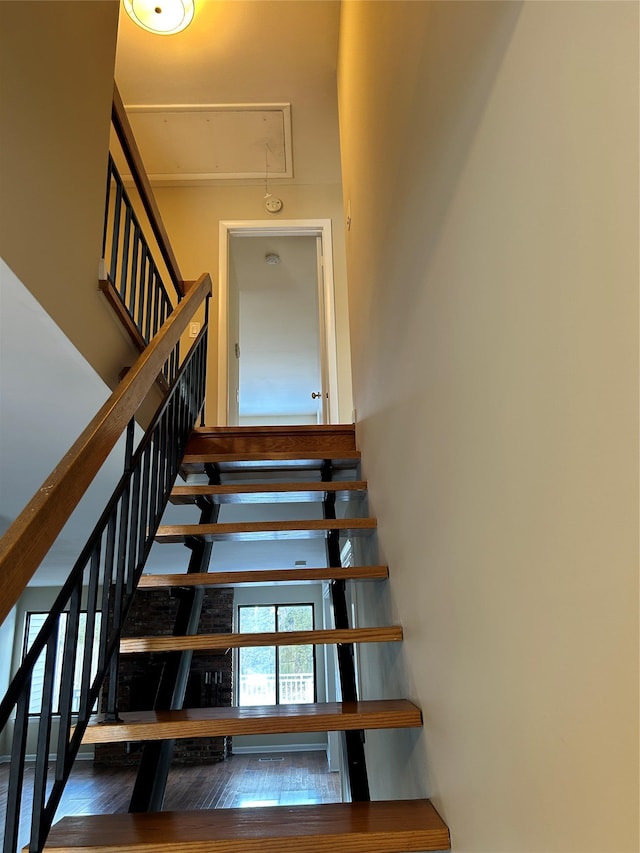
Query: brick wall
pixel 210 680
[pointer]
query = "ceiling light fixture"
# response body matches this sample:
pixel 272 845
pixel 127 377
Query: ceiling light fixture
pixel 162 17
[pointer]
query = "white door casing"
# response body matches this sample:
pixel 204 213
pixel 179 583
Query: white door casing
pixel 321 229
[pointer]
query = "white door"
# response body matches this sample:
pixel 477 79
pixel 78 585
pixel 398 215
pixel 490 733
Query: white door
pixel 276 342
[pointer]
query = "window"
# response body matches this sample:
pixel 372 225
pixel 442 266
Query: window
pixel 33 624
pixel 270 675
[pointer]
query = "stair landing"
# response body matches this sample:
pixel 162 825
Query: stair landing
pixel 329 438
pixel 270 449
pixel 400 826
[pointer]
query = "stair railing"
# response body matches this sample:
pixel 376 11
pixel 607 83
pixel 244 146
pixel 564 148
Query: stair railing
pixel 106 574
pixel 130 277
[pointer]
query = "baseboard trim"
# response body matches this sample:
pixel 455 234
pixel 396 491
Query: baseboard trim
pixel 289 747
pixel 81 756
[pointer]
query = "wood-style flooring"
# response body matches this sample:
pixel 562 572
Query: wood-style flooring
pixel 290 778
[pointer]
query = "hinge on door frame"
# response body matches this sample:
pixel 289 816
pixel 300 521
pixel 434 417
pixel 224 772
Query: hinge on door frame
pixel 237 350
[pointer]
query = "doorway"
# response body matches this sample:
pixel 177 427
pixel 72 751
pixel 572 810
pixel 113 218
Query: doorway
pixel 277 361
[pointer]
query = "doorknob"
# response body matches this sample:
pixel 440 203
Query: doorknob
pixel 315 396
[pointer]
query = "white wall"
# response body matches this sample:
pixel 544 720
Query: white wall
pixel 7 630
pixel 192 217
pixel 494 306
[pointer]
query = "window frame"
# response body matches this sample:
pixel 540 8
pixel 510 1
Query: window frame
pixel 276 607
pixel 40 664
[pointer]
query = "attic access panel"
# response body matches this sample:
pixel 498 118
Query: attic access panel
pixel 197 143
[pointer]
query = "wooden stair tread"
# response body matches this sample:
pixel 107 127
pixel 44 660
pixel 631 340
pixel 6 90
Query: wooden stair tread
pixel 201 642
pixel 399 826
pixel 265 530
pixel 270 429
pixel 274 429
pixel 259 577
pixel 274 456
pixel 193 463
pixel 259 719
pixel 329 439
pixel 266 492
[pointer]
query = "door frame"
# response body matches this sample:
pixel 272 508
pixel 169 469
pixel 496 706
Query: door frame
pixel 284 228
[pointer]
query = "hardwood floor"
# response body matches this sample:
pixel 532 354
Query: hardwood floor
pixel 294 778
pixel 290 778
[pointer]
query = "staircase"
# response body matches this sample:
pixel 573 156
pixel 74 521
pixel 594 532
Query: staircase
pixel 260 465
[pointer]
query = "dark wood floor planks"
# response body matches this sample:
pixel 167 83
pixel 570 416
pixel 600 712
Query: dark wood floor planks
pixel 293 778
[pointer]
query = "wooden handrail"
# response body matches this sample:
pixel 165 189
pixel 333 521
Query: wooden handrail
pixel 131 152
pixel 27 541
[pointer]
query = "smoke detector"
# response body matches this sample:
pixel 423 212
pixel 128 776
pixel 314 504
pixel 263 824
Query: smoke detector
pixel 273 205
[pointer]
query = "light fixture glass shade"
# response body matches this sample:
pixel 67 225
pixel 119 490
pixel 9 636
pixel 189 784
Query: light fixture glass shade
pixel 163 17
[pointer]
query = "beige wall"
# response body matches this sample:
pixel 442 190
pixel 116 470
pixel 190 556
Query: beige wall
pixel 56 83
pixel 192 217
pixel 490 153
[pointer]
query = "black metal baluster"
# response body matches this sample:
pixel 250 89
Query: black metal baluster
pixel 202 367
pixel 173 430
pixel 148 300
pixel 133 531
pixel 115 241
pixel 156 311
pixel 107 587
pixel 66 683
pixel 89 637
pixel 189 404
pixel 16 771
pixel 118 603
pixel 38 830
pixel 144 505
pixel 145 265
pixel 172 469
pixel 166 450
pixel 166 372
pixel 158 463
pixel 148 284
pixel 135 261
pixel 107 202
pixel 124 269
pixel 155 478
pixel 177 409
pixel 161 460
